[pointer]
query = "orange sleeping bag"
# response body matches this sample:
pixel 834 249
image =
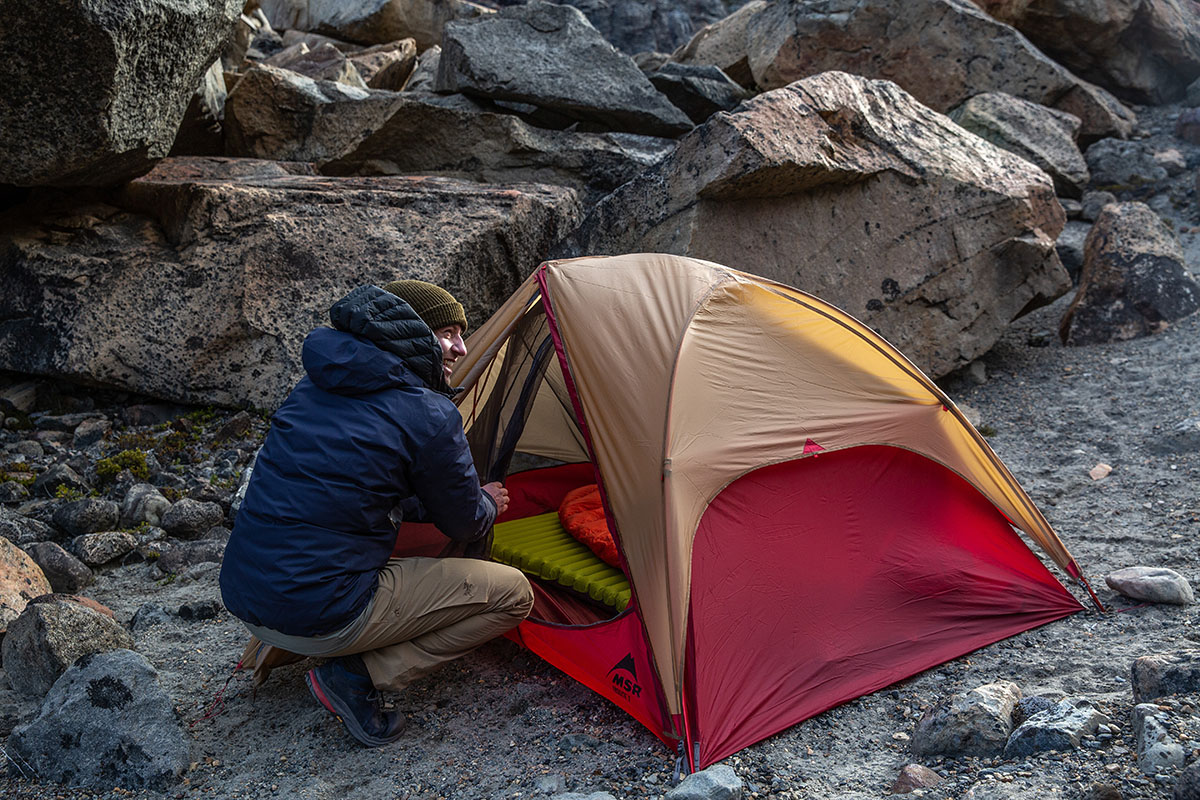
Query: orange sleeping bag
pixel 582 516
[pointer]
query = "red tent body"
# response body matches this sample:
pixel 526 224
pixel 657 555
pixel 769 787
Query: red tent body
pixel 824 528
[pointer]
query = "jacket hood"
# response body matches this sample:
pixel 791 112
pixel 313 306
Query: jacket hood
pixel 390 346
pixel 342 363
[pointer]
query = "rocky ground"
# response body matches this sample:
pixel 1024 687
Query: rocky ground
pixel 501 723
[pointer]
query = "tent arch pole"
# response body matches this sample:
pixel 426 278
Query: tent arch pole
pixel 678 664
pixel 569 380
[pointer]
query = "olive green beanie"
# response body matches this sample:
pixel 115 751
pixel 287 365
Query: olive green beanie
pixel 433 304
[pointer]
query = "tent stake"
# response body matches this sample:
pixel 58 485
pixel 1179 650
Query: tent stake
pixel 1092 594
pixel 691 748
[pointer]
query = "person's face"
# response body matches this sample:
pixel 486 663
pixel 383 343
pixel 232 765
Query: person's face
pixel 453 348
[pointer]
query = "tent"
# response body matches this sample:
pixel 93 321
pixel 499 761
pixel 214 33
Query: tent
pixel 803 517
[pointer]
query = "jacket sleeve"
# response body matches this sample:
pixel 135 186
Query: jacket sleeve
pixel 443 478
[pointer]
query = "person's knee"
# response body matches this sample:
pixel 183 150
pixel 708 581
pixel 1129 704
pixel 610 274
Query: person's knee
pixel 517 594
pixel 526 604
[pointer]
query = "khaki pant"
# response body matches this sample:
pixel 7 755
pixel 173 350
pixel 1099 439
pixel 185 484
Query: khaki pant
pixel 425 611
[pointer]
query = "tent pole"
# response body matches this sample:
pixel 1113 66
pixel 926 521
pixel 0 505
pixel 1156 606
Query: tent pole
pixel 1092 594
pixel 690 748
pixel 1075 572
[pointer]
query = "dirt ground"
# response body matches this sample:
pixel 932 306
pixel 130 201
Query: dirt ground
pixel 500 723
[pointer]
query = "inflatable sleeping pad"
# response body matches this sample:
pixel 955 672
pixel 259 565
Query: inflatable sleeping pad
pixel 539 546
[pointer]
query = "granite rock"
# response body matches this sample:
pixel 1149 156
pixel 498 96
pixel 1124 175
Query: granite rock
pixel 189 519
pixel 105 723
pixel 718 782
pixel 1040 135
pixel 88 515
pixel 48 637
pixel 143 502
pixel 65 572
pixel 1152 585
pixel 22 530
pixel 1061 727
pixel 21 580
pixel 457 137
pixel 1134 279
pixel 96 549
pixel 930 235
pixel 1157 750
pixel 258 253
pixel 551 57
pixel 371 22
pixel 976 722
pixel 277 114
pixel 940 51
pixel 108 112
pixel 1162 674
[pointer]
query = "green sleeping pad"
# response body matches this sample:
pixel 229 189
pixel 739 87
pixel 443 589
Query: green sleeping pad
pixel 539 546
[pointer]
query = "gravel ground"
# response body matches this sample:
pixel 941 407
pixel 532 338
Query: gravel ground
pixel 501 723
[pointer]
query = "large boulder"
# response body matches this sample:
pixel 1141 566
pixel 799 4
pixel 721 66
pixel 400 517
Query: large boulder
pixel 20 529
pixel 941 51
pixel 48 637
pixel 639 26
pixel 386 66
pixel 852 190
pixel 452 135
pixel 698 90
pixel 1123 165
pixel 371 21
pixel 89 515
pixel 1040 135
pixel 723 44
pixel 1134 280
pixel 107 112
pixel 203 288
pixel 21 580
pixel 65 572
pixel 551 57
pixel 1146 51
pixel 282 115
pixel 324 62
pixel 189 519
pixel 106 722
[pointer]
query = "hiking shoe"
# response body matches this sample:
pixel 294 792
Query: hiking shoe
pixel 354 700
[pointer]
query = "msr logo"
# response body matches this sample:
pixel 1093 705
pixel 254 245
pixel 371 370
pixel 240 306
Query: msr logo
pixel 624 678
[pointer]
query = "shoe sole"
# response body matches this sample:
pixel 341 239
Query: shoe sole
pixel 334 706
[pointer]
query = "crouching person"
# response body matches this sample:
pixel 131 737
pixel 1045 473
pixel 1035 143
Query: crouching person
pixel 369 430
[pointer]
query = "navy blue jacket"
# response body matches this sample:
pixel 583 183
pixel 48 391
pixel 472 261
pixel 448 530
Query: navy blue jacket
pixel 370 428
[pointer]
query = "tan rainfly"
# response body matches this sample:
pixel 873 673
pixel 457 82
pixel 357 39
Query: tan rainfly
pixel 690 375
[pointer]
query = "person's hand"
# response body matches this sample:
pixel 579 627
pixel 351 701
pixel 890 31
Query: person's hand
pixel 499 494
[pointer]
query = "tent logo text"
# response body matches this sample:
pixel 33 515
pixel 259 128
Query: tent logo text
pixel 624 678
